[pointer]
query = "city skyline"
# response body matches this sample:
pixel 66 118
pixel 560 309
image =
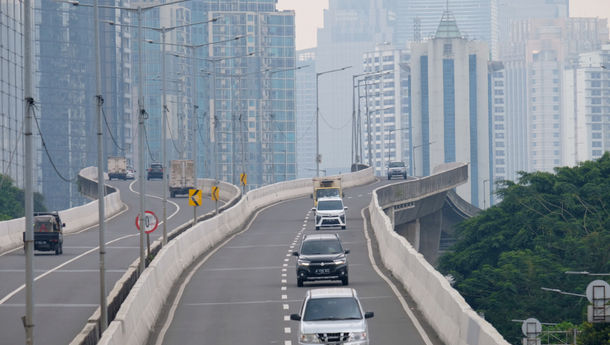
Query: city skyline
pixel 310 16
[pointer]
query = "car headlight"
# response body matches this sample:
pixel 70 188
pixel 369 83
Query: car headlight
pixel 311 338
pixel 301 262
pixel 340 261
pixel 356 336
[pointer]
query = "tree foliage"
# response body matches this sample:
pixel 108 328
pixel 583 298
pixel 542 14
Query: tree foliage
pixel 12 200
pixel 545 225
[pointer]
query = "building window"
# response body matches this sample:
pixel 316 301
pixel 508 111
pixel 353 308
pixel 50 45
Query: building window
pixel 447 49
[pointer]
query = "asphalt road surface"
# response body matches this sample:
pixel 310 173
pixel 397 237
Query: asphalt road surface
pixel 66 287
pixel 244 291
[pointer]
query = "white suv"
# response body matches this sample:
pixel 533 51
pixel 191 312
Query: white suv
pixel 332 316
pixel 330 212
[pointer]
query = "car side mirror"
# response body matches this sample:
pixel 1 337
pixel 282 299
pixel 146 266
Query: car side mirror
pixel 313 209
pixel 63 225
pixel 346 251
pixel 369 314
pixel 295 317
pixel 345 208
pixel 295 253
pixel 311 196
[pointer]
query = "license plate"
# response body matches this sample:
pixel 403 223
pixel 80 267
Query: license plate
pixel 323 270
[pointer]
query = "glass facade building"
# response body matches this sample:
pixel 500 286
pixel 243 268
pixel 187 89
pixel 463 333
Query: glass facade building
pixel 250 123
pixel 66 111
pixel 11 91
pixel 306 113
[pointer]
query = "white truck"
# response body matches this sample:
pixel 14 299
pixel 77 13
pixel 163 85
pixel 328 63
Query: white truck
pixel 181 177
pixel 117 168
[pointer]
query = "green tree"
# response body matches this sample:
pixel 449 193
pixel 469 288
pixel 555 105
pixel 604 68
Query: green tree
pixel 545 225
pixel 12 200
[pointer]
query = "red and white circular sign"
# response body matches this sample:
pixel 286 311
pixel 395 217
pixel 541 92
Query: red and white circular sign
pixel 150 222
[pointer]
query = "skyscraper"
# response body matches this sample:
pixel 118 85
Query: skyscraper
pixel 351 27
pixel 306 113
pixel 586 102
pixel 11 91
pixel 534 59
pixel 388 107
pixel 418 19
pixel 450 106
pixel 66 105
pixel 251 120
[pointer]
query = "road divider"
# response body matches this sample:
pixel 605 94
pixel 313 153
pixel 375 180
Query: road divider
pixel 76 218
pixel 443 307
pixel 142 307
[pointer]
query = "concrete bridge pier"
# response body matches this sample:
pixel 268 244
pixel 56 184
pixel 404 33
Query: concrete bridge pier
pixel 427 241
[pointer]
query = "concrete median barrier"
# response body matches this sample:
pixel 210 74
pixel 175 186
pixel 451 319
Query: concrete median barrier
pixel 145 302
pixel 443 307
pixel 76 218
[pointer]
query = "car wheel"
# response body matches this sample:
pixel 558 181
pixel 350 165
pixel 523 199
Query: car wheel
pixel 299 282
pixel 344 281
pixel 61 248
pixel 57 249
pixel 343 227
pixel 404 176
pixel 317 228
pixel 389 177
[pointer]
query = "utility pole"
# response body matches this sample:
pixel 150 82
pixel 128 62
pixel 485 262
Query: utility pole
pixel 100 170
pixel 28 321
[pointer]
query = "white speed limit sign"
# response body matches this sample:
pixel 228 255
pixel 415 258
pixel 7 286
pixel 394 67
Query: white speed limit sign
pixel 150 222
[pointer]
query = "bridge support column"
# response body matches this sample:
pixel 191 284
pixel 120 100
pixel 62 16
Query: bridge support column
pixel 410 231
pixel 431 235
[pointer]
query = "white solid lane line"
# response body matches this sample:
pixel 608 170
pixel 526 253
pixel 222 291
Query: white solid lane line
pixel 14 292
pixel 403 302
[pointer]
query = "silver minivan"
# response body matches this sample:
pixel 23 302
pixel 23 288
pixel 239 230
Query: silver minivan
pixel 332 316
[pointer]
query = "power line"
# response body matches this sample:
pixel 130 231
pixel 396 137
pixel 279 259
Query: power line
pixel 44 145
pixel 110 131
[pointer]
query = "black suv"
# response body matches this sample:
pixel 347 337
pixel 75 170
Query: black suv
pixel 155 171
pixel 321 257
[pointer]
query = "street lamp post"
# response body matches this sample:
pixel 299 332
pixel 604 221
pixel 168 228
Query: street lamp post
pixel 390 138
pixel 412 154
pixel 318 116
pixel 485 194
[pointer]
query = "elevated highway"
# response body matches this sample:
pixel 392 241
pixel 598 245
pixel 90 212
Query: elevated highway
pixel 440 314
pixel 66 287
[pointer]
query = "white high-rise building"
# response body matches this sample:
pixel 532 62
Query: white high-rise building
pixel 388 107
pixel 450 106
pixel 586 103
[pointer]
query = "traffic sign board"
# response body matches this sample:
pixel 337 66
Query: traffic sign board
pixel 151 222
pixel 194 197
pixel 215 193
pixel 243 178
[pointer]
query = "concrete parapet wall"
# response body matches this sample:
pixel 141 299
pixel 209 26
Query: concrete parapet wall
pixel 76 218
pixel 145 302
pixel 444 308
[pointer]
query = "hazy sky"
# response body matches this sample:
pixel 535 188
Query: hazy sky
pixel 309 15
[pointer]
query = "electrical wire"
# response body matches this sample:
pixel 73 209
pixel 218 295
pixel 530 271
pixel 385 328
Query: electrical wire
pixel 44 145
pixel 147 145
pixel 110 131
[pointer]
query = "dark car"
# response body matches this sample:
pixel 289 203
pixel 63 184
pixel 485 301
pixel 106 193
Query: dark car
pixel 155 171
pixel 397 169
pixel 48 232
pixel 321 257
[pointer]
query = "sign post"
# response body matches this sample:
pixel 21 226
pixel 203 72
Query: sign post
pixel 194 200
pixel 151 222
pixel 215 196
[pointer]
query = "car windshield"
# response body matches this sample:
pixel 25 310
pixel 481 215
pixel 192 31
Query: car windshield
pixel 397 165
pixel 337 308
pixel 327 193
pixel 314 247
pixel 327 205
pixel 44 226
